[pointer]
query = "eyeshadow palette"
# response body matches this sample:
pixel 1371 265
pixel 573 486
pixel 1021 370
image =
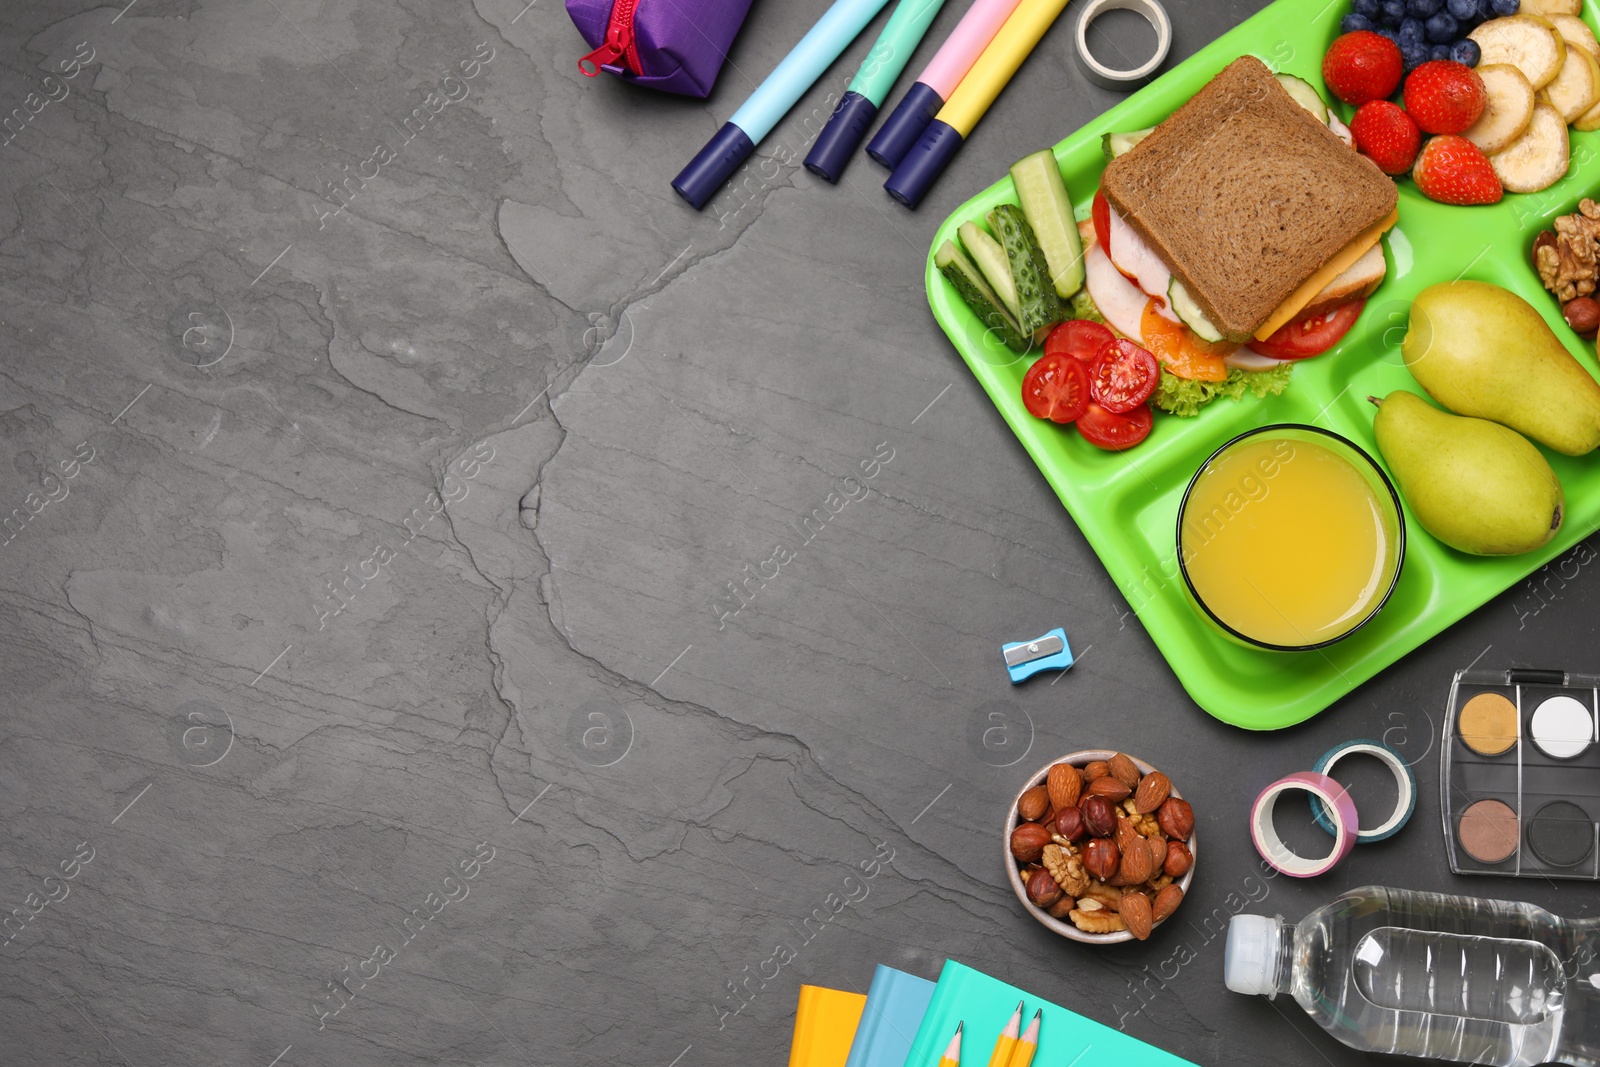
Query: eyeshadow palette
pixel 1519 775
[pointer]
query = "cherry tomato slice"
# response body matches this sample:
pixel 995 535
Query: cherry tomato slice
pixel 1123 377
pixel 1078 338
pixel 1056 387
pixel 1113 432
pixel 1306 337
pixel 1100 215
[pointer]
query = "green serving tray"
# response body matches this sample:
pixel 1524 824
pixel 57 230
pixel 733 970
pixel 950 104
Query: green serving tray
pixel 1126 503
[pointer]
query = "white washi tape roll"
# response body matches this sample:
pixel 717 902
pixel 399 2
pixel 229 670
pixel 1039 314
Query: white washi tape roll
pixel 1265 835
pixel 1109 77
pixel 1405 784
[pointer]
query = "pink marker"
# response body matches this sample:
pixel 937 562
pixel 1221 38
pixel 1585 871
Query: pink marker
pixel 939 79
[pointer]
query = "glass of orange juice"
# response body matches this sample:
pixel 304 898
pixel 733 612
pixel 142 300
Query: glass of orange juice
pixel 1290 538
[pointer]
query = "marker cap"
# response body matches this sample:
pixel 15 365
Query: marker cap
pixel 921 167
pixel 904 125
pixel 838 140
pixel 715 164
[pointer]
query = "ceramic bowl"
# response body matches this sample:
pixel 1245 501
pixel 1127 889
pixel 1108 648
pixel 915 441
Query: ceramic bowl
pixel 1064 927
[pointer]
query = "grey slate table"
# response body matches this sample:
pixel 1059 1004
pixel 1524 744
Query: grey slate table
pixel 414 442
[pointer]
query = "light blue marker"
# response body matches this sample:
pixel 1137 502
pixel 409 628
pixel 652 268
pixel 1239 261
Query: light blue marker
pixel 756 117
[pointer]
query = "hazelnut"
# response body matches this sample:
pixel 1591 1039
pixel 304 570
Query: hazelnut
pixel 1028 841
pixel 1069 824
pixel 1179 860
pixel 1061 908
pixel 1582 314
pixel 1042 889
pixel 1099 816
pixel 1176 818
pixel 1065 784
pixel 1101 858
pixel 1098 769
pixel 1124 770
pixel 1113 789
pixel 1032 804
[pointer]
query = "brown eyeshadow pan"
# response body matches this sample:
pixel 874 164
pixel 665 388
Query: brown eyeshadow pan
pixel 1489 831
pixel 1488 724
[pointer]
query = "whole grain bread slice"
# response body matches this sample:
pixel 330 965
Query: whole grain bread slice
pixel 1245 195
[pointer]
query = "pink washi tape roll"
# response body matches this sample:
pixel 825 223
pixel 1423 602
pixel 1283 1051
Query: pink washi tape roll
pixel 1340 809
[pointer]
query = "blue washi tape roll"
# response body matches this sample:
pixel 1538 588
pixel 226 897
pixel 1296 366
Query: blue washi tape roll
pixel 1405 784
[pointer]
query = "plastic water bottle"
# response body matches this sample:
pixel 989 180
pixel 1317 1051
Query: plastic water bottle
pixel 1433 976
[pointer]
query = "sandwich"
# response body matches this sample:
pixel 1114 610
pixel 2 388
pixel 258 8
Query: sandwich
pixel 1245 219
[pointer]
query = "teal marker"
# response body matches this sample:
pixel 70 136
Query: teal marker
pixel 839 138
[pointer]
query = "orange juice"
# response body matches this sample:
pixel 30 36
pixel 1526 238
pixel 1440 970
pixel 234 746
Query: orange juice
pixel 1287 542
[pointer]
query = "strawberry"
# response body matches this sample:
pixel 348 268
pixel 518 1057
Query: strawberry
pixel 1385 134
pixel 1362 66
pixel 1444 96
pixel 1453 170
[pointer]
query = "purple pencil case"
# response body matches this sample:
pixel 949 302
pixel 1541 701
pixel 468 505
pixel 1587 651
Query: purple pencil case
pixel 677 46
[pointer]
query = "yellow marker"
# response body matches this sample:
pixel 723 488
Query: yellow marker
pixel 1001 1057
pixel 995 67
pixel 1028 1044
pixel 952 1055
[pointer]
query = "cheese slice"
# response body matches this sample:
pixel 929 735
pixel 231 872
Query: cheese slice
pixel 1319 281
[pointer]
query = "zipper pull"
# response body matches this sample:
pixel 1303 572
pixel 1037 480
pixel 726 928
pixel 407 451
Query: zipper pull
pixel 609 51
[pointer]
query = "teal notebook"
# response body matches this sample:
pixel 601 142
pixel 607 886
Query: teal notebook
pixel 896 1003
pixel 984 1004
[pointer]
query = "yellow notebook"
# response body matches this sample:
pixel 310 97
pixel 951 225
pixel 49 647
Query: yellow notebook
pixel 824 1025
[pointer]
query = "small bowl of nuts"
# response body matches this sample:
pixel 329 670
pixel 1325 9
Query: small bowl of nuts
pixel 1100 847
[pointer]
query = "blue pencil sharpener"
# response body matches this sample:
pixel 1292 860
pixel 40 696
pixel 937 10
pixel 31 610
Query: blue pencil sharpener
pixel 1024 659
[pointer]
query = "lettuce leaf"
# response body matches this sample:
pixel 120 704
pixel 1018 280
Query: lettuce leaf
pixel 1082 306
pixel 1182 397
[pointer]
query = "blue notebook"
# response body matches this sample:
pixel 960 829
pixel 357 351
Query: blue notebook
pixel 896 1003
pixel 985 1003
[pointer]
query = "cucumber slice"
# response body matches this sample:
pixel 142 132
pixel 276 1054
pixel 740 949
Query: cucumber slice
pixel 1045 202
pixel 1305 96
pixel 1037 303
pixel 1114 144
pixel 991 260
pixel 962 273
pixel 1185 308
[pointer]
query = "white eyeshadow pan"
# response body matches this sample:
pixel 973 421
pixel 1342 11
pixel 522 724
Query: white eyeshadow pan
pixel 1562 727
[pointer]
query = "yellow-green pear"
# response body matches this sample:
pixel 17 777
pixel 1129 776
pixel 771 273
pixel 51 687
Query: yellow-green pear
pixel 1484 352
pixel 1472 483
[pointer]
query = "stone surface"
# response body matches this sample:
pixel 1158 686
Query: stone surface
pixel 414 452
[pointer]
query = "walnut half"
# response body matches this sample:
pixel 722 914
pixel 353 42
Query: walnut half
pixel 1067 869
pixel 1567 264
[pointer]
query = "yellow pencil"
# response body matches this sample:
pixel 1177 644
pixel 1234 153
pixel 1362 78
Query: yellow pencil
pixel 952 1055
pixel 1007 1041
pixel 1028 1044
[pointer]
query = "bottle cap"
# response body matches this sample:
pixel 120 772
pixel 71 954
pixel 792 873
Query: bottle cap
pixel 715 164
pixel 1250 961
pixel 922 165
pixel 904 125
pixel 838 140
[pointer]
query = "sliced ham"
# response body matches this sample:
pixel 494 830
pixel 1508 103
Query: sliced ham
pixel 1118 299
pixel 1139 262
pixel 1250 360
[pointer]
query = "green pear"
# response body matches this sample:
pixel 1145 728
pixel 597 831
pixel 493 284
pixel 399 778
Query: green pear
pixel 1484 352
pixel 1472 483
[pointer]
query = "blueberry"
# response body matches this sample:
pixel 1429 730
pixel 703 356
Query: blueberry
pixel 1462 9
pixel 1442 28
pixel 1421 9
pixel 1485 9
pixel 1465 52
pixel 1439 51
pixel 1412 29
pixel 1392 12
pixel 1504 8
pixel 1414 54
pixel 1353 22
pixel 1366 8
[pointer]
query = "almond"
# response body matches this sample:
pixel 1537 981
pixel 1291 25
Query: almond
pixel 1096 769
pixel 1128 837
pixel 1158 852
pixel 1032 804
pixel 1124 770
pixel 1138 865
pixel 1167 902
pixel 1137 915
pixel 1113 789
pixel 1064 784
pixel 1153 790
